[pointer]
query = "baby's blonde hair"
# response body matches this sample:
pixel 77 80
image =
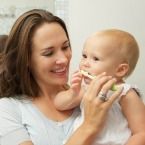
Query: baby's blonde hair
pixel 127 45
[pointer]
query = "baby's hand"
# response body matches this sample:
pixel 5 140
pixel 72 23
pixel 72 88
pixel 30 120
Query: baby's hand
pixel 76 82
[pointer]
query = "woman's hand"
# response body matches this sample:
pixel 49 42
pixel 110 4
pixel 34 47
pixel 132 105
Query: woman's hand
pixel 95 110
pixel 96 105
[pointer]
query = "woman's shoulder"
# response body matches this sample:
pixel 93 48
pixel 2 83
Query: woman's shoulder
pixel 13 100
pixel 9 106
pixel 7 101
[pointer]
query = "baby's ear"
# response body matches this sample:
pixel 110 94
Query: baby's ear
pixel 122 70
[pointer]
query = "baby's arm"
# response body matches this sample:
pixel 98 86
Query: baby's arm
pixel 71 97
pixel 134 110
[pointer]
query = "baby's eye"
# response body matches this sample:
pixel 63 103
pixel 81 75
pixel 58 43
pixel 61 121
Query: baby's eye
pixel 95 58
pixel 84 55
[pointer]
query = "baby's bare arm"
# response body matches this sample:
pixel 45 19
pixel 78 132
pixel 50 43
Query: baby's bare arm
pixel 70 97
pixel 66 100
pixel 134 110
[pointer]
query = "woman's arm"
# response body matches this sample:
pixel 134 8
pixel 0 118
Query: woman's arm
pixel 95 111
pixel 134 110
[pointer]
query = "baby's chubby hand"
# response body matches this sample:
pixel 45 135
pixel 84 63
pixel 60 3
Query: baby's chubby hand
pixel 76 82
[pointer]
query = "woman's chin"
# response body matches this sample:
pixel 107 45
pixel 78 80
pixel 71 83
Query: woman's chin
pixel 62 81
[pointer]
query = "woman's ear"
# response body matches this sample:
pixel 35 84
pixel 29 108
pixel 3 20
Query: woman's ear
pixel 122 70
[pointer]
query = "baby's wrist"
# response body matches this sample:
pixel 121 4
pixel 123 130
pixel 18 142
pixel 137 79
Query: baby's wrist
pixel 73 92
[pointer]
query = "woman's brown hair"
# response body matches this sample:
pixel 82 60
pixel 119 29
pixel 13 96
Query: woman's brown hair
pixel 15 76
pixel 3 40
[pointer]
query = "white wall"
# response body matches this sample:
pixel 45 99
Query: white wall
pixel 11 10
pixel 28 3
pixel 89 16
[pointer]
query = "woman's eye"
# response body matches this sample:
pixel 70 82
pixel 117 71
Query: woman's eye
pixel 47 53
pixel 65 47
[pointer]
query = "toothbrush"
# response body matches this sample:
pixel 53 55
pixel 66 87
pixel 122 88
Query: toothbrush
pixel 85 73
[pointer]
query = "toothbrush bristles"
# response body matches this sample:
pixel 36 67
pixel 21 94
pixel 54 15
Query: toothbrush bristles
pixel 87 74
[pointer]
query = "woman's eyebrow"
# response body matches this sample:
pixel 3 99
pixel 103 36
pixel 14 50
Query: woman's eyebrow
pixel 47 48
pixel 51 47
pixel 67 41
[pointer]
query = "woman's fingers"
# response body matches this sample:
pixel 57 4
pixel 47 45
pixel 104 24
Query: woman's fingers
pixel 95 107
pixel 102 95
pixel 98 89
pixel 108 85
pixel 113 97
pixel 95 86
pixel 101 75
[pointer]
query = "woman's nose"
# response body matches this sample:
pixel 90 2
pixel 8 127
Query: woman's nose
pixel 61 58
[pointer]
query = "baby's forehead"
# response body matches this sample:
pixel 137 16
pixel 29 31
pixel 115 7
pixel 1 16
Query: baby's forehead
pixel 102 43
pixel 106 35
pixel 103 40
pixel 112 38
pixel 112 33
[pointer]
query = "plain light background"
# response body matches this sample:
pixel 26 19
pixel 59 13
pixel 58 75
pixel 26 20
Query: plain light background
pixel 28 3
pixel 88 16
pixel 11 9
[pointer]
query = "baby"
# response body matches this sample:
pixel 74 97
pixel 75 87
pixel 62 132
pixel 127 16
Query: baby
pixel 116 53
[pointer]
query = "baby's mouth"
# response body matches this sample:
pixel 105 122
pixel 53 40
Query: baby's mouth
pixel 87 74
pixel 87 80
pixel 88 77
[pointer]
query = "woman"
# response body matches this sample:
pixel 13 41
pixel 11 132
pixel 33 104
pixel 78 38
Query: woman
pixel 34 68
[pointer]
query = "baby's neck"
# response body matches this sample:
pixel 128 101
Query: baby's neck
pixel 120 81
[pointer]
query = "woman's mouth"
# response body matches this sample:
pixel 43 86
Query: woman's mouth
pixel 60 71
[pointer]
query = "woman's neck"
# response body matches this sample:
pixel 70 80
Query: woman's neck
pixel 45 103
pixel 50 91
pixel 46 106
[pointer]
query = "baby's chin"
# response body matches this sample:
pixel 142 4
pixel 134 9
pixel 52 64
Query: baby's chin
pixel 87 81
